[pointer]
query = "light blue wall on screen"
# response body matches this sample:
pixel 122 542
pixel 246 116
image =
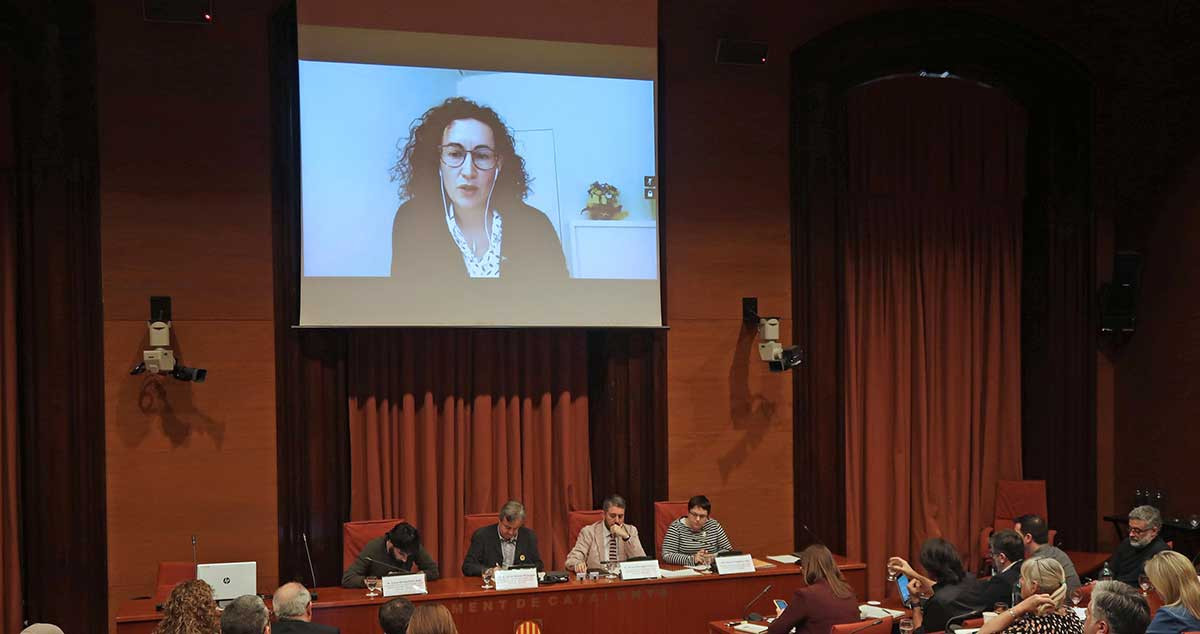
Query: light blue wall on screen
pixel 351 118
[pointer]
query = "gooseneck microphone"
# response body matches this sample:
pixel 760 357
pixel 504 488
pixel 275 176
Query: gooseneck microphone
pixel 755 616
pixel 955 622
pixel 311 572
pixel 867 626
pixel 376 561
pixel 194 560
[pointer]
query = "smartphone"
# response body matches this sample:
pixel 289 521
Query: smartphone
pixel 780 605
pixel 902 583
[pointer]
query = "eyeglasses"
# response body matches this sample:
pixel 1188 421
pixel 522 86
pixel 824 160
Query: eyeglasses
pixel 698 515
pixel 454 155
pixel 1139 531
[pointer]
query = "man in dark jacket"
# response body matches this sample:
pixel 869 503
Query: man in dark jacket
pixel 396 552
pixel 1143 542
pixel 506 543
pixel 292 605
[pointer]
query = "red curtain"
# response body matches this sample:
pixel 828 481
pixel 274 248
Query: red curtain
pixel 932 261
pixel 10 491
pixel 450 422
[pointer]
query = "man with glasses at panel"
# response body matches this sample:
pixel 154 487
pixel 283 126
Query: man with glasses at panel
pixel 696 538
pixel 1143 542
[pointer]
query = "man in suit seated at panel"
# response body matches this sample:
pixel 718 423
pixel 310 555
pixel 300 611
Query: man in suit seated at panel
pixel 506 543
pixel 395 552
pixel 1008 551
pixel 610 539
pixel 292 605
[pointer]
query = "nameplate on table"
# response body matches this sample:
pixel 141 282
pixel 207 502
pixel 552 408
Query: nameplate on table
pixel 734 564
pixel 400 585
pixel 631 570
pixel 516 579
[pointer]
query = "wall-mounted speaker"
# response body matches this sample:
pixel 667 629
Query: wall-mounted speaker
pixel 178 11
pixel 745 52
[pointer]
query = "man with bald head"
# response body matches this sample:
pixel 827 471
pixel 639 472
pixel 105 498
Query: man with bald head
pixel 292 605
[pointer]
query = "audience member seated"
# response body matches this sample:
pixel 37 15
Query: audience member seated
pixel 432 618
pixel 1116 608
pixel 190 609
pixel 1035 534
pixel 1130 557
pixel 1174 579
pixel 394 616
pixel 950 592
pixel 1043 608
pixel 506 543
pixel 610 539
pixel 246 615
pixel 292 605
pixel 823 601
pixel 396 551
pixel 695 538
pixel 1008 551
pixel 42 628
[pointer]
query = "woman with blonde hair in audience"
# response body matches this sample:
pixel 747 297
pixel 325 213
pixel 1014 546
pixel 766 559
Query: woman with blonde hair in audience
pixel 190 609
pixel 1175 581
pixel 1043 608
pixel 432 618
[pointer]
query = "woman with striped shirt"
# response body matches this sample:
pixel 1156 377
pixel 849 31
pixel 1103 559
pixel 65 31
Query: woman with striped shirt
pixel 695 538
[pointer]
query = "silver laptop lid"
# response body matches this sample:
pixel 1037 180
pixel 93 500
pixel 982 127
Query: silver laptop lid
pixel 229 580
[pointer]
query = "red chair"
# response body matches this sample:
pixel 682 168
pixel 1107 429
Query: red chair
pixel 664 514
pixel 1085 594
pixel 171 574
pixel 1014 498
pixel 577 520
pixel 355 535
pixel 884 626
pixel 973 623
pixel 474 522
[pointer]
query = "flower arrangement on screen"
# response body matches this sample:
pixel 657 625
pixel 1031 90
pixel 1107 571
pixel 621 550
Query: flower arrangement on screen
pixel 603 202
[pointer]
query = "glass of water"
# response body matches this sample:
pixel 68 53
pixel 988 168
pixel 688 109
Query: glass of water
pixel 488 574
pixel 372 584
pixel 906 626
pixel 613 568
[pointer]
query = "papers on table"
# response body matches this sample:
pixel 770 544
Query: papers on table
pixel 752 628
pixel 682 572
pixel 784 559
pixel 875 612
pixel 400 585
pixel 516 579
pixel 758 563
pixel 1081 613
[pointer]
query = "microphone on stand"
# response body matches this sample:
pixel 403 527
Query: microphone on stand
pixel 387 565
pixel 868 625
pixel 755 616
pixel 311 572
pixel 953 626
pixel 194 560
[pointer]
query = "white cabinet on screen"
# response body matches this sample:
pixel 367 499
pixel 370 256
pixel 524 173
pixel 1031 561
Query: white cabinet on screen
pixel 614 249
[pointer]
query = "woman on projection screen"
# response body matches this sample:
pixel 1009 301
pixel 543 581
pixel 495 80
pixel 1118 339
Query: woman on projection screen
pixel 464 214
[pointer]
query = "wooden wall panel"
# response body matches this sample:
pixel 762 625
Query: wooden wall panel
pixel 185 212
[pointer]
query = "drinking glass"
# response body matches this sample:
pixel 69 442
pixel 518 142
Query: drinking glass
pixel 1144 584
pixel 999 607
pixel 1076 598
pixel 372 584
pixel 613 568
pixel 488 574
pixel 906 626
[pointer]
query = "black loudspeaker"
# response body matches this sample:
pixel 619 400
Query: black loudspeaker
pixel 178 11
pixel 1118 298
pixel 745 52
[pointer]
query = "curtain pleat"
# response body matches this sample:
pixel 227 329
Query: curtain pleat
pixel 10 491
pixel 450 422
pixel 931 241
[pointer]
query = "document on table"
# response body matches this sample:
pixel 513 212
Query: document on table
pixel 784 559
pixel 875 612
pixel 752 628
pixel 682 572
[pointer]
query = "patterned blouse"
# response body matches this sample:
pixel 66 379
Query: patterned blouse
pixel 488 264
pixel 1052 623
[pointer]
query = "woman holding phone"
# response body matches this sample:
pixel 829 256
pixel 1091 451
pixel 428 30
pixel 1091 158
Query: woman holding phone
pixel 823 601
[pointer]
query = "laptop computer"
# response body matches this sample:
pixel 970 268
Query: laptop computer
pixel 229 580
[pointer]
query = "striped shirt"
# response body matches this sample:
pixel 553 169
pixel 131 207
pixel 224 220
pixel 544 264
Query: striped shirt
pixel 680 542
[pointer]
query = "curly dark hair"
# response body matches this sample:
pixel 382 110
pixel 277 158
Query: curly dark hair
pixel 190 609
pixel 940 558
pixel 417 167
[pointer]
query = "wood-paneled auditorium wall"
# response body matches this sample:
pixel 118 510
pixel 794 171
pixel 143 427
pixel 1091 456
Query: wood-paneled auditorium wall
pixel 185 204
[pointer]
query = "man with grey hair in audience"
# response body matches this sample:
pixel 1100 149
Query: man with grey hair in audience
pixel 1143 542
pixel 506 543
pixel 1116 608
pixel 247 614
pixel 292 604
